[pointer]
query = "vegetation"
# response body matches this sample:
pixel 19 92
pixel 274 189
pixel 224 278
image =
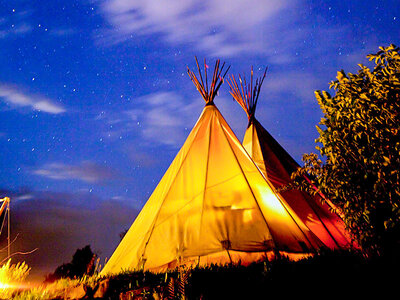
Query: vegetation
pixel 359 167
pixel 11 277
pixel 54 290
pixel 338 273
pixel 64 288
pixel 83 263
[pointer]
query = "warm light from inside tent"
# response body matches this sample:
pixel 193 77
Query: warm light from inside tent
pixel 247 216
pixel 271 201
pixel 247 213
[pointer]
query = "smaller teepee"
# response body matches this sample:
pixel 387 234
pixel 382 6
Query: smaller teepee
pixel 277 165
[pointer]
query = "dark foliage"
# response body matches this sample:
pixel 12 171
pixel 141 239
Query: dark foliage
pixel 83 262
pixel 359 141
pixel 334 274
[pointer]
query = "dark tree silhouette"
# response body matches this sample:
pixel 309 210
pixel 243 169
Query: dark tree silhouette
pixel 83 262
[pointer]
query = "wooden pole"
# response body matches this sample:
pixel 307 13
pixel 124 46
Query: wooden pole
pixel 6 206
pixel 9 230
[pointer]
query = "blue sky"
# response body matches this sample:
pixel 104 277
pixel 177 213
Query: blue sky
pixel 95 100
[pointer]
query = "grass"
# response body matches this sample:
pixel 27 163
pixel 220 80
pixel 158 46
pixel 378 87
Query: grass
pixel 335 274
pixel 12 277
pixel 330 273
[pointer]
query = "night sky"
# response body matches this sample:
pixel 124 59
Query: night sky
pixel 95 100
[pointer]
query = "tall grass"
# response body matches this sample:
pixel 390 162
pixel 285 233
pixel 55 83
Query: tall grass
pixel 12 278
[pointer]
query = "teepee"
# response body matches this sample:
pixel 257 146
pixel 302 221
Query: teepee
pixel 212 205
pixel 277 165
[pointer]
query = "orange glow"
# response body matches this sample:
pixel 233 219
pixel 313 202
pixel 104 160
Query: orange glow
pixel 4 286
pixel 12 277
pixel 4 280
pixel 271 201
pixel 247 216
pixel 247 213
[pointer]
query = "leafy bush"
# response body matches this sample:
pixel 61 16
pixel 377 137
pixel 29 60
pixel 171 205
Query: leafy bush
pixel 360 146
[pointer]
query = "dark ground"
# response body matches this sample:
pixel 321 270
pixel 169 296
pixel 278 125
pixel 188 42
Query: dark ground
pixel 331 274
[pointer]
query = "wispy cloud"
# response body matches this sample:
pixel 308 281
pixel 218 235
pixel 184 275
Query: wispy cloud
pixel 160 118
pixel 15 97
pixel 223 28
pixel 142 158
pixel 86 171
pixel 163 117
pixel 301 85
pixel 61 32
pixel 15 25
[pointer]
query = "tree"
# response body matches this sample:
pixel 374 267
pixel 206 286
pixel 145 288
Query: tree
pixel 359 145
pixel 83 262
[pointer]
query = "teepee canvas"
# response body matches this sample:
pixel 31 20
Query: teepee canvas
pixel 212 205
pixel 277 165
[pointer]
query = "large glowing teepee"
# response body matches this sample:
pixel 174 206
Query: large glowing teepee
pixel 277 165
pixel 213 205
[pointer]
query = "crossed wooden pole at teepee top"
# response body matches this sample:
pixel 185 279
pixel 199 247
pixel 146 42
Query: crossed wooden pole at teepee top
pixel 208 93
pixel 247 94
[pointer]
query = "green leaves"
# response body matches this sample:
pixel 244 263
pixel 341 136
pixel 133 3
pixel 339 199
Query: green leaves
pixel 359 138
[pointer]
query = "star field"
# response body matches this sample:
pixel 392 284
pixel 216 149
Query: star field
pixel 95 101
